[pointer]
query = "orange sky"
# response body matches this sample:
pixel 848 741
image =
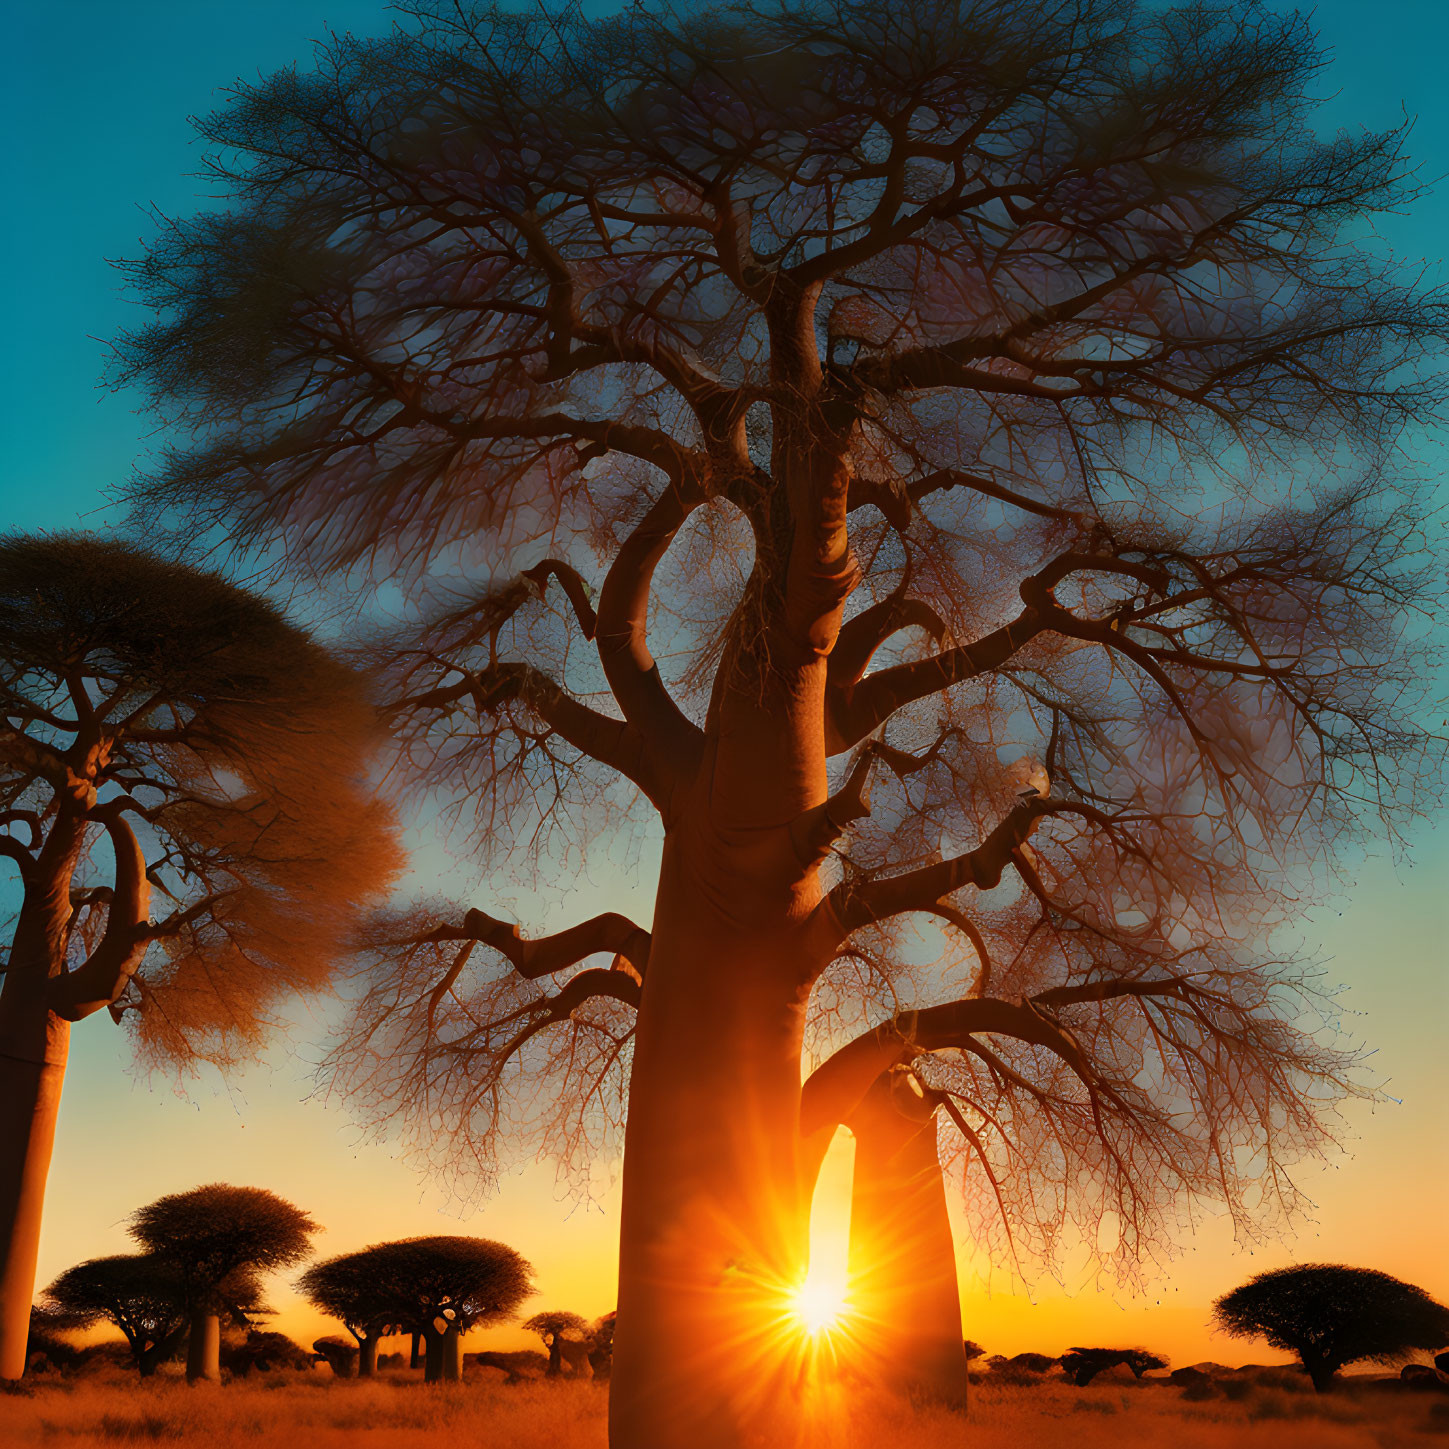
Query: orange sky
pixel 100 100
pixel 122 1143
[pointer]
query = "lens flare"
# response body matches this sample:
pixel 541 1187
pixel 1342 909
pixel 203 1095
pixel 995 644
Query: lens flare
pixel 820 1303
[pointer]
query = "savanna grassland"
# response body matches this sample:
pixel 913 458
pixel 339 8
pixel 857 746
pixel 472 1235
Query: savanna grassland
pixel 290 1411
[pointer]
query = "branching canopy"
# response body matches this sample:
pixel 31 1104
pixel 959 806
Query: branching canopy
pixel 182 794
pixel 213 1234
pixel 1331 1315
pixel 1012 366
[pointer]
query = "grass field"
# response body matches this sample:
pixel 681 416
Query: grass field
pixel 315 1411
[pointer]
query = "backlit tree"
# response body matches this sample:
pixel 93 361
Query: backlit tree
pixel 553 1328
pixel 215 1237
pixel 143 1295
pixel 932 459
pixel 1331 1316
pixel 443 1286
pixel 184 829
pixel 358 1289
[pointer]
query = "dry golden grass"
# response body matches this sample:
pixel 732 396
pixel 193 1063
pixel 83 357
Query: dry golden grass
pixel 298 1411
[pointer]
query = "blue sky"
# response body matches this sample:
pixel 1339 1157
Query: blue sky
pixel 95 97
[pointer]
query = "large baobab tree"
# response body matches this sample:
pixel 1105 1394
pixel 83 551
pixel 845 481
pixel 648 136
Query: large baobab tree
pixel 143 1295
pixel 183 808
pixel 358 1289
pixel 443 1286
pixel 935 457
pixel 219 1239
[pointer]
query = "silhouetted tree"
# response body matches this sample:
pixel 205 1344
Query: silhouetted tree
pixel 164 737
pixel 358 1289
pixel 985 397
pixel 553 1328
pixel 1082 1365
pixel 140 1293
pixel 213 1236
pixel 443 1286
pixel 1331 1316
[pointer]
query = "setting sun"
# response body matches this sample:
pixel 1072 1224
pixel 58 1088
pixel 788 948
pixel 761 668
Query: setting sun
pixel 820 1303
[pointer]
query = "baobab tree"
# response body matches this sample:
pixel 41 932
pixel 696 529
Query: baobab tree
pixel 934 460
pixel 183 808
pixel 556 1328
pixel 218 1240
pixel 143 1295
pixel 1331 1316
pixel 358 1289
pixel 443 1286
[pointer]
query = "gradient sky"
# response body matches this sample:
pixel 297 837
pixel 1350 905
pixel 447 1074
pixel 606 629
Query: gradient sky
pixel 94 97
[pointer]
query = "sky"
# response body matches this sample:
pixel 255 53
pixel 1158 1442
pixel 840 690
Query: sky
pixel 95 98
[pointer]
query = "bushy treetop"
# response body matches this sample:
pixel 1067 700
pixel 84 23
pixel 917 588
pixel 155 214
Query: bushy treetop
pixel 214 1232
pixel 1334 1314
pixel 177 748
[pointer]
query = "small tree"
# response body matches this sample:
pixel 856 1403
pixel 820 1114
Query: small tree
pixel 1082 1365
pixel 356 1288
pixel 443 1286
pixel 1331 1316
pixel 213 1236
pixel 140 1293
pixel 164 737
pixel 553 1328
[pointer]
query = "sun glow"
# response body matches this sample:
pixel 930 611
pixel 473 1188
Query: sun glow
pixel 820 1303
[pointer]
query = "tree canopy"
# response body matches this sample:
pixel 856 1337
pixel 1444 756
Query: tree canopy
pixel 443 1282
pixel 368 1291
pixel 144 1295
pixel 1331 1315
pixel 211 1234
pixel 937 462
pixel 171 738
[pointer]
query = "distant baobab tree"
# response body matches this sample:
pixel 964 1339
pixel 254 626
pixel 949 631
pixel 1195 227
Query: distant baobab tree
pixel 1331 1316
pixel 219 1239
pixel 359 1290
pixel 933 462
pixel 443 1286
pixel 181 799
pixel 139 1293
pixel 556 1329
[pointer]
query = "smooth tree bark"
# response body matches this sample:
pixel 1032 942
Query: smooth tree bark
pixel 161 733
pixel 203 1347
pixel 904 1296
pixel 218 1240
pixel 1006 584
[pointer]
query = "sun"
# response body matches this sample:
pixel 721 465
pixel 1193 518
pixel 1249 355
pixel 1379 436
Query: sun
pixel 820 1303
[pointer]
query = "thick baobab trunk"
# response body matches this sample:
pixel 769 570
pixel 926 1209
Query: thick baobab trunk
pixel 34 1044
pixel 555 1357
pixel 902 1255
pixel 432 1358
pixel 713 1233
pixel 203 1349
pixel 367 1356
pixel 415 1353
pixel 453 1355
